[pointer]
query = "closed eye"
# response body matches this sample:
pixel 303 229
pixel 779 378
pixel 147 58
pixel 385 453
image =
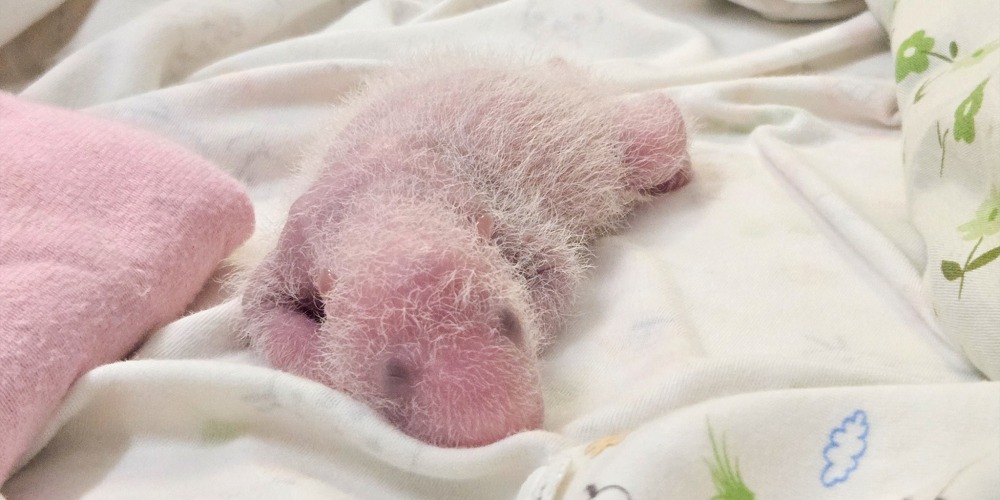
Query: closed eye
pixel 311 306
pixel 510 327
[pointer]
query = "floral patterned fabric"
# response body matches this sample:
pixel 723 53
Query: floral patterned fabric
pixel 948 86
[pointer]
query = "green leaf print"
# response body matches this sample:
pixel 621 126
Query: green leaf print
pixel 986 222
pixel 952 270
pixel 911 57
pixel 957 63
pixel 983 259
pixel 977 55
pixel 965 115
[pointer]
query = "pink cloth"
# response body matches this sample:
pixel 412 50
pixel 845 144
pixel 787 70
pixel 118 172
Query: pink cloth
pixel 105 234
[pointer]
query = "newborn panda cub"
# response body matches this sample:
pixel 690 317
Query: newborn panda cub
pixel 444 232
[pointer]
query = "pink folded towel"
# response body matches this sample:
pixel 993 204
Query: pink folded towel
pixel 106 233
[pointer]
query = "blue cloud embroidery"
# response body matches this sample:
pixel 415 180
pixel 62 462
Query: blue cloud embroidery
pixel 846 447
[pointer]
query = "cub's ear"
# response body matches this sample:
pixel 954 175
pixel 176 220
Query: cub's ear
pixel 654 144
pixel 477 212
pixel 325 282
pixel 484 225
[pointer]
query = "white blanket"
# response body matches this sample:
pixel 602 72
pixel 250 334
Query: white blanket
pixel 761 333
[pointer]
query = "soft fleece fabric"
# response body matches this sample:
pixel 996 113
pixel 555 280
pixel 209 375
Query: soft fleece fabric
pixel 105 234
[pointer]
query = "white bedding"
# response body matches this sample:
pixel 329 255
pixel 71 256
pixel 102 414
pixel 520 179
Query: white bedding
pixel 772 308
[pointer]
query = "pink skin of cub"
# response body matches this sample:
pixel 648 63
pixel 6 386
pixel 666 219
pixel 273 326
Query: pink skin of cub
pixel 445 233
pixel 471 382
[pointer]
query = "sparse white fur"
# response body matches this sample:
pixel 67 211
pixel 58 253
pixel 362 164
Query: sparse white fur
pixel 395 197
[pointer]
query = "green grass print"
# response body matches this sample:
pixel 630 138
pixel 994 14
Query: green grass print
pixel 726 473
